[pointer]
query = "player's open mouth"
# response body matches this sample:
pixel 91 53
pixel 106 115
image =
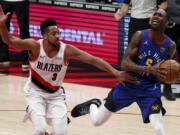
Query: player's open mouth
pixel 155 22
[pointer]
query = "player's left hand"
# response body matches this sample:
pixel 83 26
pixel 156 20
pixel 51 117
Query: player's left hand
pixel 123 76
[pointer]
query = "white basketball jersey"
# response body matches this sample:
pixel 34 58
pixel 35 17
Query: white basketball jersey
pixel 48 73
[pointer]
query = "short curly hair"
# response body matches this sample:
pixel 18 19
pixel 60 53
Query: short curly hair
pixel 45 24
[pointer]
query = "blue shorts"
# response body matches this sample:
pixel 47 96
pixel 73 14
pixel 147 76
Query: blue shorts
pixel 120 97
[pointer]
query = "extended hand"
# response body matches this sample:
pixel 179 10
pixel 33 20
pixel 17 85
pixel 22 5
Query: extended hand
pixel 3 17
pixel 123 76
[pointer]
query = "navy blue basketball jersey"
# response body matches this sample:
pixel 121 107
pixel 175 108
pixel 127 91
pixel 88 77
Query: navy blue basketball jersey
pixel 148 92
pixel 150 54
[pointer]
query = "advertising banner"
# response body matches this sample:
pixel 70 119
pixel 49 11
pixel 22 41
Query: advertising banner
pixel 91 31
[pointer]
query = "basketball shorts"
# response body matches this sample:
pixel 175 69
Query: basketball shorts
pixel 46 104
pixel 119 98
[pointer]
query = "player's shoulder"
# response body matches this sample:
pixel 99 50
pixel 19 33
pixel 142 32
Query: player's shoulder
pixel 137 37
pixel 69 47
pixel 31 41
pixel 138 33
pixel 172 43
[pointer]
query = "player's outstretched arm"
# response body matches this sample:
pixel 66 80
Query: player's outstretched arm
pixel 85 57
pixel 72 51
pixel 22 44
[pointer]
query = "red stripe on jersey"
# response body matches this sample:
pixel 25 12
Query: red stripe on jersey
pixel 42 81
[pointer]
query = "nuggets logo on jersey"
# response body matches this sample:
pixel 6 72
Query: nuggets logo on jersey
pixel 162 49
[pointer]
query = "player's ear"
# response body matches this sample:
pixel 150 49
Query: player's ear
pixel 45 36
pixel 170 24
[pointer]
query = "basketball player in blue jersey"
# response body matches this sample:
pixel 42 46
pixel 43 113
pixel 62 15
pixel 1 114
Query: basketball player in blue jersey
pixel 49 60
pixel 147 49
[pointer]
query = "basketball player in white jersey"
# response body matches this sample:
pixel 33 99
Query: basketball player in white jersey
pixel 48 61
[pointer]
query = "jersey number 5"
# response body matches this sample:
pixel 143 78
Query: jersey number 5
pixel 148 63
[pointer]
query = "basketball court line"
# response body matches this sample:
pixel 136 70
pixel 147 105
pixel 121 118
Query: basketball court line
pixel 117 113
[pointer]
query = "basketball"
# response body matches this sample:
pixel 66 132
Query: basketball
pixel 173 70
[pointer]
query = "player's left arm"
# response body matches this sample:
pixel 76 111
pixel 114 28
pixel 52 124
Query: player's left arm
pixel 172 49
pixel 72 51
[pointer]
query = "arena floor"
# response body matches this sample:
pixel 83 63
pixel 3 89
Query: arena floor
pixel 126 122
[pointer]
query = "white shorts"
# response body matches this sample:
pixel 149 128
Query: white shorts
pixel 46 104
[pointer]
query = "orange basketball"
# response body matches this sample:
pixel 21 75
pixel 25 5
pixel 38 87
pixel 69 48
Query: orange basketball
pixel 173 71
